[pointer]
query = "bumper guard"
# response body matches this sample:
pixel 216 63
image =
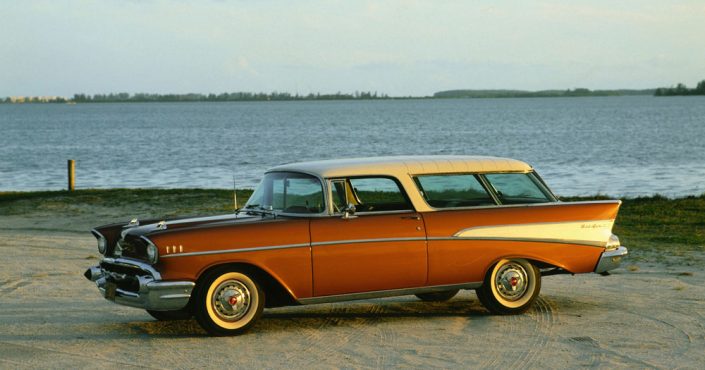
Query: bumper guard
pixel 151 293
pixel 611 259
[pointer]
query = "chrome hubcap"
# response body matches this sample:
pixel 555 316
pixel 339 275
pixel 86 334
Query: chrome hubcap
pixel 231 300
pixel 511 281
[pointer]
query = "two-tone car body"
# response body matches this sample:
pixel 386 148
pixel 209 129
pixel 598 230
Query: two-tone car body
pixel 348 229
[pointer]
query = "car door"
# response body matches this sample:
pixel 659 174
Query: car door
pixel 382 246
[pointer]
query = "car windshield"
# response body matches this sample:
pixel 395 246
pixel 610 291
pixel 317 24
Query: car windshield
pixel 288 192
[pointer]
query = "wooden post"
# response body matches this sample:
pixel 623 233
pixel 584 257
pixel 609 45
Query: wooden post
pixel 72 174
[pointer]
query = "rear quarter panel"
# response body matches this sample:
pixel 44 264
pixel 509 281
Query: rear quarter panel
pixel 516 232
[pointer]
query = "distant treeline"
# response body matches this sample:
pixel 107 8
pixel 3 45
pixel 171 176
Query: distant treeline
pixel 537 94
pixel 681 89
pixel 236 96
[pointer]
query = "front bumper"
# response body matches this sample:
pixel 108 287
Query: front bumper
pixel 133 283
pixel 611 259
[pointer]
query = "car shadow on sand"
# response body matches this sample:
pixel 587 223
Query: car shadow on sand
pixel 319 317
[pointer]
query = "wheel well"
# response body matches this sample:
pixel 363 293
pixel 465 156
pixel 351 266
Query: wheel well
pixel 546 268
pixel 276 295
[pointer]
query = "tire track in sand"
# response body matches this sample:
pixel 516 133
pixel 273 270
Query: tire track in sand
pixel 9 286
pixel 322 342
pixel 536 325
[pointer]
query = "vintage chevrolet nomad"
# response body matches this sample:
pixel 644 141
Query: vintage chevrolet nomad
pixel 348 229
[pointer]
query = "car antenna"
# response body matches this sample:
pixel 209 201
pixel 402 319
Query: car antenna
pixel 234 196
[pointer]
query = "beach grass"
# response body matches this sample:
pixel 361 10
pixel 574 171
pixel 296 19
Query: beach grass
pixel 655 223
pixel 660 224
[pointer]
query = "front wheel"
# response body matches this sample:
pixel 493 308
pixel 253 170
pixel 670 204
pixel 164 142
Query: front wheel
pixel 510 287
pixel 228 302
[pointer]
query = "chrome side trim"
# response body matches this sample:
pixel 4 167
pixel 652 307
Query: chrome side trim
pixel 591 232
pixel 240 250
pixel 528 224
pixel 384 240
pixel 529 240
pixel 378 240
pixel 301 245
pixel 386 293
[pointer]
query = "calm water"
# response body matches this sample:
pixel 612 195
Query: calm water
pixel 618 145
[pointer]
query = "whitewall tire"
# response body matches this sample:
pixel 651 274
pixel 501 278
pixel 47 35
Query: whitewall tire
pixel 228 302
pixel 510 287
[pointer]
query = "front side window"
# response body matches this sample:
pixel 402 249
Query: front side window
pixel 369 194
pixel 517 188
pixel 288 192
pixel 456 190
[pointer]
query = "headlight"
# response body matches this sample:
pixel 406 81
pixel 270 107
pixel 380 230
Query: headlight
pixel 102 244
pixel 613 242
pixel 152 253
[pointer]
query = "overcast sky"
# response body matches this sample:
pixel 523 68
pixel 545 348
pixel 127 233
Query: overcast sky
pixel 404 47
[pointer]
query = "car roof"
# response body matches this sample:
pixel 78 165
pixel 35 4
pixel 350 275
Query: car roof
pixel 406 165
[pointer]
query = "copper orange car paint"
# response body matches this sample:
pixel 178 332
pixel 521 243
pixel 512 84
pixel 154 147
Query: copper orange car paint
pixel 304 243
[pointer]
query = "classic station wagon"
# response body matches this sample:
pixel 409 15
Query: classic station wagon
pixel 349 229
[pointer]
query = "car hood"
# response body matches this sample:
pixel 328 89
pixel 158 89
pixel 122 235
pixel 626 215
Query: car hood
pixel 147 227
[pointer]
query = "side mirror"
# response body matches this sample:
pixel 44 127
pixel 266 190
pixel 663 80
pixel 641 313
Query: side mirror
pixel 349 212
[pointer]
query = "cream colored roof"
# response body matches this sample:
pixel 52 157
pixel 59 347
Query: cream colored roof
pixel 405 165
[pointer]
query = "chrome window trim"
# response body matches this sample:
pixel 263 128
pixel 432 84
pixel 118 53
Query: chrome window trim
pixel 401 211
pixel 396 180
pixel 386 293
pixel 532 176
pixel 483 182
pixel 491 191
pixel 331 205
pixel 489 188
pixel 545 186
pixel 546 204
pixel 324 188
pixel 326 195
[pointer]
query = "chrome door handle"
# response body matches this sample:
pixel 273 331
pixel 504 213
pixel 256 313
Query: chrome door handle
pixel 416 217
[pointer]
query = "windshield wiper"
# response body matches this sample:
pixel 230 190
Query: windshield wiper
pixel 257 209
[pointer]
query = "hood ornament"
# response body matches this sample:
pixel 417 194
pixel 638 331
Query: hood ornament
pixel 161 225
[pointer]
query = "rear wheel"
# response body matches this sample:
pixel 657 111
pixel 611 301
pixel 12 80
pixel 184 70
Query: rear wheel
pixel 510 287
pixel 228 302
pixel 437 296
pixel 183 314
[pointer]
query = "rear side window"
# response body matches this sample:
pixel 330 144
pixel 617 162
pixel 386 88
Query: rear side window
pixel 517 188
pixel 448 191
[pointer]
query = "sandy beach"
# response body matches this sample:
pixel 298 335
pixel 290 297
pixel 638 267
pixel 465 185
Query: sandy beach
pixel 647 314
